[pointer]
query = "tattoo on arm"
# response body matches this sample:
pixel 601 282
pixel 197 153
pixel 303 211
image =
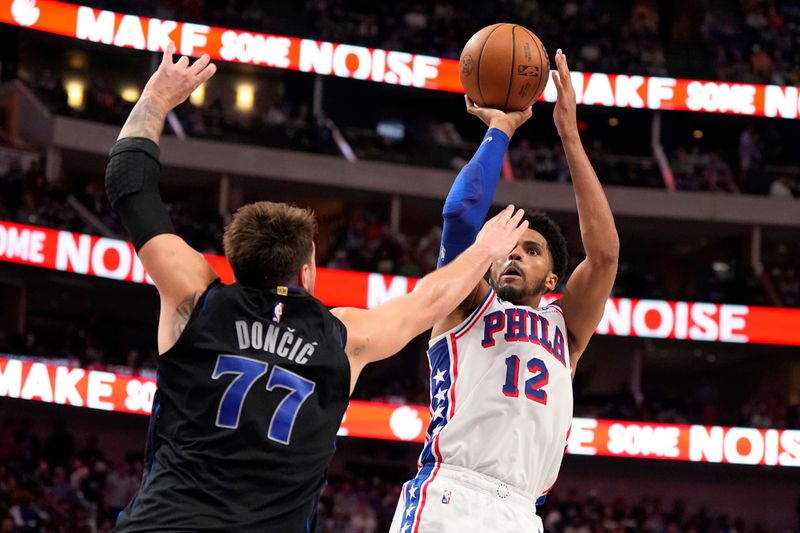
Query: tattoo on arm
pixel 356 351
pixel 146 120
pixel 184 311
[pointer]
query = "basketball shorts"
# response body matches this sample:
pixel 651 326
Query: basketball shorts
pixel 449 499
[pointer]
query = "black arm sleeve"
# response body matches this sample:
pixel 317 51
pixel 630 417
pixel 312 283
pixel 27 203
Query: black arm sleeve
pixel 132 176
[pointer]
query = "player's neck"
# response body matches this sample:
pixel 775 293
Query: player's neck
pixel 530 301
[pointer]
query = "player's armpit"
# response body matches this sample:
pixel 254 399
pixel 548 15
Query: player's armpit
pixel 584 301
pixel 463 310
pixel 180 275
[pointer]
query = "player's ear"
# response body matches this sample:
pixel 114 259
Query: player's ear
pixel 551 282
pixel 304 277
pixel 307 274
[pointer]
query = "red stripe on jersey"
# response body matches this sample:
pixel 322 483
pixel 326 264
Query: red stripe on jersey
pixel 459 334
pixel 454 368
pixel 424 497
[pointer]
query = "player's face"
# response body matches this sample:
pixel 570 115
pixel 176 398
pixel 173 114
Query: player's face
pixel 526 272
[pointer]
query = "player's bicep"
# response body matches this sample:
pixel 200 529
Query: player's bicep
pixel 381 332
pixel 178 271
pixel 584 301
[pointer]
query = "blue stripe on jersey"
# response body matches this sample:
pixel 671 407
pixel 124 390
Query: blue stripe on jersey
pixel 412 496
pixel 475 311
pixel 439 357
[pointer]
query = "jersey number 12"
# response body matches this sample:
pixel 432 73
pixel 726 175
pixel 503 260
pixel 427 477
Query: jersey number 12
pixel 247 371
pixel 534 390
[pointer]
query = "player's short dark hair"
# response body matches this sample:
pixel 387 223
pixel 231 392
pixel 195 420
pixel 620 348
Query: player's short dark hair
pixel 266 243
pixel 556 243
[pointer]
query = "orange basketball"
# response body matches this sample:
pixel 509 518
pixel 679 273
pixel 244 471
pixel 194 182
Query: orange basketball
pixel 504 66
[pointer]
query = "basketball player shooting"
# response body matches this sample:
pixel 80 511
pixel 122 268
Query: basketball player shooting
pixel 253 377
pixel 502 364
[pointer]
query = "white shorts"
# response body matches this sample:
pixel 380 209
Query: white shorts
pixel 450 499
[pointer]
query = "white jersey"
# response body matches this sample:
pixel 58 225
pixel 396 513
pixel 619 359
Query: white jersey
pixel 501 395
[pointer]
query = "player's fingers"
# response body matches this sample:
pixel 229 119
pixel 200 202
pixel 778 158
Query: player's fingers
pixel 183 62
pixel 167 57
pixel 206 73
pixel 563 69
pixel 200 64
pixel 505 215
pixel 527 112
pixel 557 81
pixel 515 220
pixel 520 230
pixel 469 103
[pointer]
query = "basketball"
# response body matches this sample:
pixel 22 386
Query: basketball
pixel 504 66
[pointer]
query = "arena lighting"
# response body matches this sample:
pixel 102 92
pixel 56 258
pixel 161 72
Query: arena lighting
pixel 130 94
pixel 385 66
pixel 624 317
pixel 75 90
pixel 245 96
pixel 28 379
pixel 198 96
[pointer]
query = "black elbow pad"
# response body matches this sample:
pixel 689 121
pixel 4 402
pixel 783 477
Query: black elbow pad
pixel 132 176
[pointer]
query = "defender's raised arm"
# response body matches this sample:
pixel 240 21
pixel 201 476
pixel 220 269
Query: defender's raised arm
pixel 132 174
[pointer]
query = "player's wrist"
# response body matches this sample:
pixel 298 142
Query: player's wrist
pixel 570 135
pixel 504 124
pixel 155 102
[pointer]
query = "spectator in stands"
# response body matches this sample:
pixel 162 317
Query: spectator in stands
pixel 523 160
pixel 120 487
pixel 784 186
pixel 789 287
pixel 718 175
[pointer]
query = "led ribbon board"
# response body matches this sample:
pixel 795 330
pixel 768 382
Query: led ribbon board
pixel 625 317
pixel 112 391
pixel 384 66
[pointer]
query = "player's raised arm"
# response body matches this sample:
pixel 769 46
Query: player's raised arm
pixel 132 174
pixel 382 331
pixel 590 284
pixel 472 192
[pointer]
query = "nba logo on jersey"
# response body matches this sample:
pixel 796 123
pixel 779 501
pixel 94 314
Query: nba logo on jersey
pixel 277 313
pixel 446 495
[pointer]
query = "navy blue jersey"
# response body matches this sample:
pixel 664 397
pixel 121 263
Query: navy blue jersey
pixel 244 421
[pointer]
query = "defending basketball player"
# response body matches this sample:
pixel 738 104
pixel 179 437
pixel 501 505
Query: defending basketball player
pixel 501 363
pixel 253 377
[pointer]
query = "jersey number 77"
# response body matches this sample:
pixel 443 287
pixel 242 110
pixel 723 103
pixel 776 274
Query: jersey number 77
pixel 246 372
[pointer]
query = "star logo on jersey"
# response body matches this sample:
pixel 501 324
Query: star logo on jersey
pixel 438 412
pixel 440 396
pixel 412 492
pixel 405 528
pixel 410 509
pixel 439 377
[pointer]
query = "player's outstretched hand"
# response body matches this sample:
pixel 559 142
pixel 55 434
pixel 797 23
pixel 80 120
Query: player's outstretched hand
pixel 501 233
pixel 564 112
pixel 507 122
pixel 173 82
